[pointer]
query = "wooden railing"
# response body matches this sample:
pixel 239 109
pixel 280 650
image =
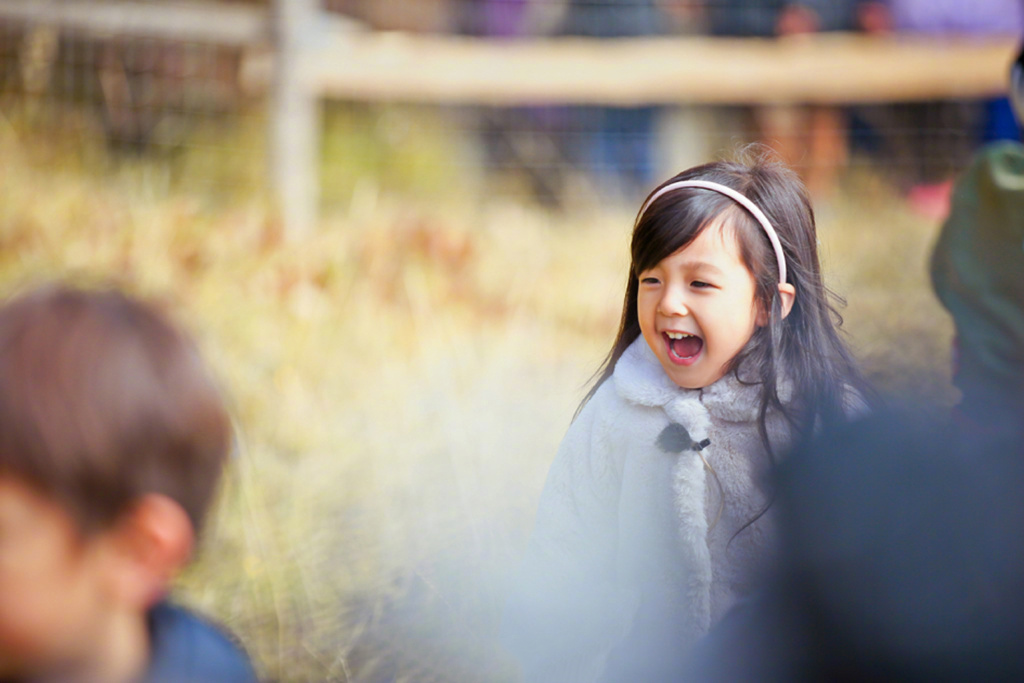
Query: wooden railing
pixel 301 55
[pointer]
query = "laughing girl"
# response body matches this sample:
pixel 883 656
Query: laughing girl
pixel 655 516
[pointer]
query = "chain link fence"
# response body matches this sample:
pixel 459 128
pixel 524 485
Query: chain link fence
pixel 161 97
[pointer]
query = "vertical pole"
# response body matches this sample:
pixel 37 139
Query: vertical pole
pixel 294 119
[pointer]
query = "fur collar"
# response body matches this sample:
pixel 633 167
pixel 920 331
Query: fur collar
pixel 734 406
pixel 639 378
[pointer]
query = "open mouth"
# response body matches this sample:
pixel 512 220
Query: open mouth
pixel 683 348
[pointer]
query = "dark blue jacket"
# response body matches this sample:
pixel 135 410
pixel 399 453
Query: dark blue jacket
pixel 613 19
pixel 188 649
pixel 756 18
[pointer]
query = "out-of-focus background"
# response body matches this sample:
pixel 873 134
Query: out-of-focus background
pixel 399 229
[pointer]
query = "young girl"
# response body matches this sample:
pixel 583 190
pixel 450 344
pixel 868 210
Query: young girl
pixel 653 519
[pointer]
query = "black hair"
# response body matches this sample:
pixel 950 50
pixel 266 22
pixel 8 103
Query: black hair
pixel 1016 88
pixel 804 348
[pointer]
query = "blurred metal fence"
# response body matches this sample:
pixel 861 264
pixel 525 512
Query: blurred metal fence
pixel 541 85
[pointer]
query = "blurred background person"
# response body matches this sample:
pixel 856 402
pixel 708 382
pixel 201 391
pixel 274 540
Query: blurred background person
pixel 615 144
pixel 977 271
pixel 524 140
pixel 929 142
pixel 810 138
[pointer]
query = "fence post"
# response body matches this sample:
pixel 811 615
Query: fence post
pixel 294 118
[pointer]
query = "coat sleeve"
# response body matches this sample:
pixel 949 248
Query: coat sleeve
pixel 566 611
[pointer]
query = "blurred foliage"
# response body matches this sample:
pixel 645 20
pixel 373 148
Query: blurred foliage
pixel 401 379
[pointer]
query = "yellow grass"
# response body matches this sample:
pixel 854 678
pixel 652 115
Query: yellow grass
pixel 401 380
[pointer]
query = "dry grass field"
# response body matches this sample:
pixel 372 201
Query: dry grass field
pixel 400 380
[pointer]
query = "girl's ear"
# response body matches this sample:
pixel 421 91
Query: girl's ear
pixel 787 295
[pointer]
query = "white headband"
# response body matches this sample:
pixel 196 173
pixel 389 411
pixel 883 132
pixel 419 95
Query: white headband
pixel 739 199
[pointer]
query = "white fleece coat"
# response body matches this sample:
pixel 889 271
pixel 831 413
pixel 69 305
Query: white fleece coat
pixel 623 524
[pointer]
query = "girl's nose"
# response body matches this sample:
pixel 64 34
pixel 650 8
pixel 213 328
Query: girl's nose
pixel 673 304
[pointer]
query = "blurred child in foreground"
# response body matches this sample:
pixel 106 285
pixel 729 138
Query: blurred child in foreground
pixel 112 441
pixel 901 561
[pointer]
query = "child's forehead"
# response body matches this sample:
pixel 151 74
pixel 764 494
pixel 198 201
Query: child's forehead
pixel 719 234
pixel 16 500
pixel 716 248
pixel 725 226
pixel 25 506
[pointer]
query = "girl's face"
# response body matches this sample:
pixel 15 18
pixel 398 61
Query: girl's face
pixel 697 308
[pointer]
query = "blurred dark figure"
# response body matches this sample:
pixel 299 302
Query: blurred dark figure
pixel 902 561
pixel 977 271
pixel 615 144
pixel 521 140
pixel 767 18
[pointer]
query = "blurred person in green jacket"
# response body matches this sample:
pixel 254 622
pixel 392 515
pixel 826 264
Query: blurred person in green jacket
pixel 977 270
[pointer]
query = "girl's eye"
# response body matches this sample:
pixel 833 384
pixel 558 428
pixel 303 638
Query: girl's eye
pixel 699 284
pixel 648 280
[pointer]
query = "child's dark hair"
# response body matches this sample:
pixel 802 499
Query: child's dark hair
pixel 805 347
pixel 102 401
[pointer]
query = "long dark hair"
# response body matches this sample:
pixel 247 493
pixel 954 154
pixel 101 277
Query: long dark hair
pixel 805 347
